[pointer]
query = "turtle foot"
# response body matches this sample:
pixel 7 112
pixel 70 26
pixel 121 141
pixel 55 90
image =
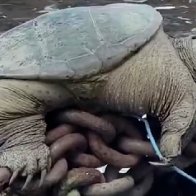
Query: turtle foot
pixel 25 161
pixel 170 145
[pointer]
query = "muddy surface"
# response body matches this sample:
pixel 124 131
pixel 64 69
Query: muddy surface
pixel 179 15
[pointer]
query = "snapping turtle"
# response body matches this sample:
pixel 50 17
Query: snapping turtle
pixel 117 55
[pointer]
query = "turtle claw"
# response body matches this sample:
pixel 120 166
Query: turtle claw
pixel 26 162
pixel 13 177
pixel 164 162
pixel 43 175
pixel 28 180
pixel 160 164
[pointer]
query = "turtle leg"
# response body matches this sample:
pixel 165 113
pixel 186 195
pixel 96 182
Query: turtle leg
pixel 176 128
pixel 22 126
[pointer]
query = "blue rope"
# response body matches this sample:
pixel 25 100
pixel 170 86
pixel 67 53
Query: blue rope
pixel 158 152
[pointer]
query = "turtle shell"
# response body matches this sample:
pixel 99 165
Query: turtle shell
pixel 74 43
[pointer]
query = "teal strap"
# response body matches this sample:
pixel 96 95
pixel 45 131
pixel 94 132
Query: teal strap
pixel 158 152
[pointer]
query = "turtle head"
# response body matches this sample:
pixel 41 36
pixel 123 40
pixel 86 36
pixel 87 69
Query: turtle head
pixel 186 48
pixel 192 52
pixel 194 45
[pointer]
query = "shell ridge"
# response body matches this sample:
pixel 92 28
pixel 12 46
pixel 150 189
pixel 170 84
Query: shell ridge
pixel 38 41
pixel 97 30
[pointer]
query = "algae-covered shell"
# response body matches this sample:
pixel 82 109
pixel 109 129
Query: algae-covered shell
pixel 74 43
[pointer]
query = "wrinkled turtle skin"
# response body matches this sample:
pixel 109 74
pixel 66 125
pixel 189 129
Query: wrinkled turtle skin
pixel 117 55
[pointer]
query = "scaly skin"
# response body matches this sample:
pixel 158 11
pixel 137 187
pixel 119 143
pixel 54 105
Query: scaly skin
pixel 22 125
pixel 154 81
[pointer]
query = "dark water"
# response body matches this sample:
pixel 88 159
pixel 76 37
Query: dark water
pixel 179 15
